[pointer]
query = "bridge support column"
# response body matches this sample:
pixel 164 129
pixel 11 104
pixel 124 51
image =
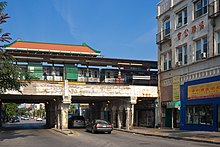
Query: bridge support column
pixel 50 112
pixel 128 118
pixel 64 115
pixel 63 107
pixel 120 117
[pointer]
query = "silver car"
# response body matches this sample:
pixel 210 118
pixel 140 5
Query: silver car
pixel 76 121
pixel 99 125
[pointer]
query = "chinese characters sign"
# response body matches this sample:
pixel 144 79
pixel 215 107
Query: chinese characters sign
pixel 208 90
pixel 193 30
pixel 176 88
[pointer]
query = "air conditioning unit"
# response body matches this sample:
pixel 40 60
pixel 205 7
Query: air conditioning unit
pixel 178 63
pixel 203 55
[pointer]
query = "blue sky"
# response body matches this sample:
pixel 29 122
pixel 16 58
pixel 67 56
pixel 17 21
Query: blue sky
pixel 118 28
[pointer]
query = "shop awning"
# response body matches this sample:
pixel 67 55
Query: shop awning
pixel 175 104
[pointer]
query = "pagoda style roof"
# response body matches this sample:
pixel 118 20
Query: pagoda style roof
pixel 83 49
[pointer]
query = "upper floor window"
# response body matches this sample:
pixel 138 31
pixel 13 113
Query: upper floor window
pixel 182 55
pixel 201 48
pixel 218 43
pixel 166 27
pixel 181 18
pixel 166 61
pixel 95 74
pixel 200 8
pixel 108 75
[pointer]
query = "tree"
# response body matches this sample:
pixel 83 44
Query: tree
pixel 11 109
pixel 72 109
pixel 9 73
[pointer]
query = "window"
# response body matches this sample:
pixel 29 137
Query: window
pixel 167 27
pixel 108 75
pixel 166 61
pixel 165 66
pixel 199 114
pixel 181 18
pixel 200 8
pixel 201 48
pixel 115 74
pixel 218 43
pixel 96 74
pixel 182 55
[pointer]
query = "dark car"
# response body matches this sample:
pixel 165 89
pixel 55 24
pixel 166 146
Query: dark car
pixel 76 121
pixel 15 119
pixel 99 125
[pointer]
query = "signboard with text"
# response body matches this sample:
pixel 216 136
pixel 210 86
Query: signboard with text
pixel 207 90
pixel 176 88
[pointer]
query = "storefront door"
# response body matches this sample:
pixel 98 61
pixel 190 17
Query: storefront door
pixel 218 118
pixel 168 118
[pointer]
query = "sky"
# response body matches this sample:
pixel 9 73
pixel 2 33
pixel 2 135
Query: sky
pixel 124 29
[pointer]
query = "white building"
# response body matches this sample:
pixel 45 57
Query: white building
pixel 188 41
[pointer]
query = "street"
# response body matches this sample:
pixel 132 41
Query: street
pixel 32 133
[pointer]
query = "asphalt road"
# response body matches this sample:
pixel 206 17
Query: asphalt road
pixel 30 133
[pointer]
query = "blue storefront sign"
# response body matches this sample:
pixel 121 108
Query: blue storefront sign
pixel 200 104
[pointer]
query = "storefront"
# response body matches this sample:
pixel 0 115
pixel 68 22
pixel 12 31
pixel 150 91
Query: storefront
pixel 200 102
pixel 145 113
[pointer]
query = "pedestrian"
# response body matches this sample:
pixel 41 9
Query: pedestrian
pixel 45 75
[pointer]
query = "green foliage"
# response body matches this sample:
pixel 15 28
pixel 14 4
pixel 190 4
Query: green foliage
pixel 2 6
pixel 9 73
pixel 11 109
pixel 23 111
pixel 40 112
pixel 72 108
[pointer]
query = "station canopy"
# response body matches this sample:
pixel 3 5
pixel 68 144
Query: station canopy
pixel 26 51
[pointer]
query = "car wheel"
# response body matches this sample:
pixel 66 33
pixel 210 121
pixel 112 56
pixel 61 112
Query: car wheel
pixel 109 132
pixel 93 131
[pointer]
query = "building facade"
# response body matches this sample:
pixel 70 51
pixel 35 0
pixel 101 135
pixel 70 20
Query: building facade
pixel 188 41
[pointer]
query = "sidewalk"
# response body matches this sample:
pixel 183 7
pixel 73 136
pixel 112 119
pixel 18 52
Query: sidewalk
pixel 199 136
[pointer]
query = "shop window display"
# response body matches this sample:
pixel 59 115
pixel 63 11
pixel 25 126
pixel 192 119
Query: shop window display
pixel 199 114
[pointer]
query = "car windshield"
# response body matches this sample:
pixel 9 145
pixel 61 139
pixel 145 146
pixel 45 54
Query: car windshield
pixel 101 121
pixel 71 116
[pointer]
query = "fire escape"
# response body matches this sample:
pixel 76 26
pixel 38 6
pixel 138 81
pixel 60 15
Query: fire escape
pixel 163 37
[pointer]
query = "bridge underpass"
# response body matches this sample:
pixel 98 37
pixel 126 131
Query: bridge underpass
pixel 112 102
pixel 109 108
pixel 49 102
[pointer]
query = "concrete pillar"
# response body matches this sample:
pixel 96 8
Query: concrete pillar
pixel 113 116
pixel 50 114
pixel 64 106
pixel 47 114
pixel 157 114
pixel 58 116
pixel 102 114
pixel 128 118
pixel 64 115
pixel 132 116
pixel 119 119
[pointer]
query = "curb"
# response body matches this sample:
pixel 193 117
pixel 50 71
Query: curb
pixel 65 132
pixel 170 137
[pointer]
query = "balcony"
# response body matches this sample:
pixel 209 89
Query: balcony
pixel 213 9
pixel 163 36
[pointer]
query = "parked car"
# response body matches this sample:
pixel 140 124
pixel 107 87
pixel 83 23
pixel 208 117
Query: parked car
pixel 24 118
pixel 99 126
pixel 39 119
pixel 15 119
pixel 76 121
